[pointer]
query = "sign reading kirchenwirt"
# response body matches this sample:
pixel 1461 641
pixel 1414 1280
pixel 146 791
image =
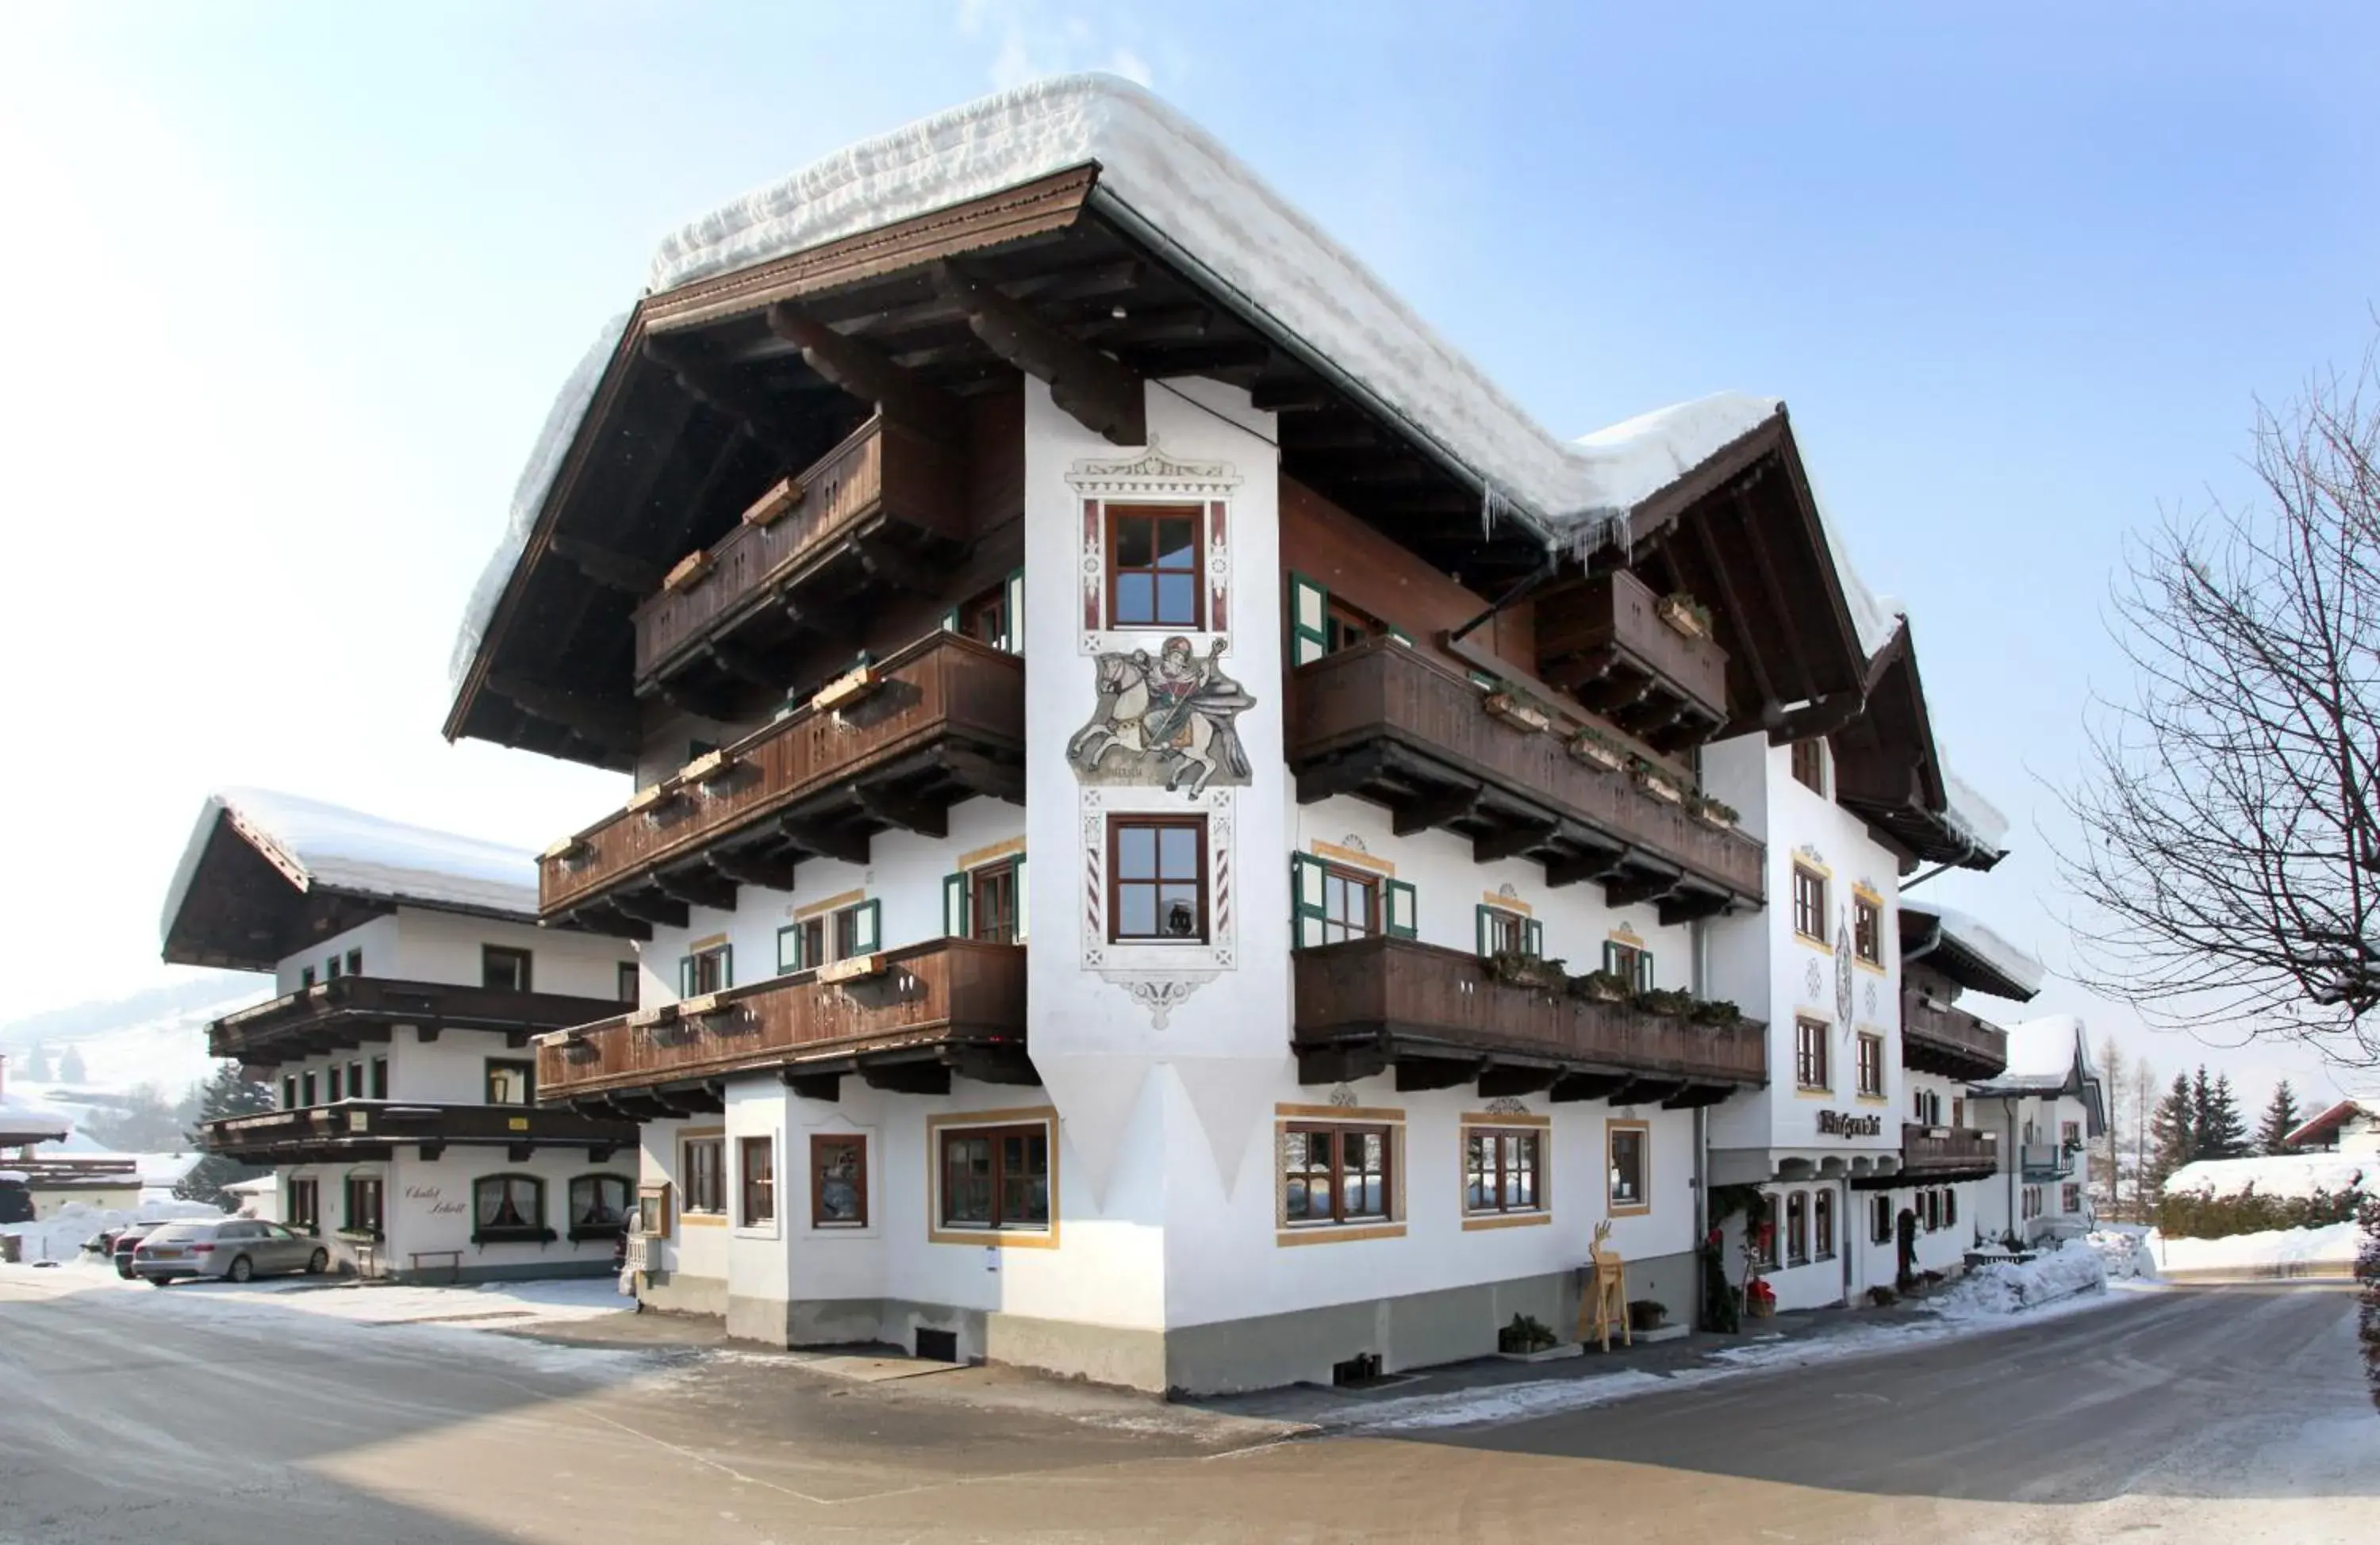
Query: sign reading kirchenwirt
pixel 1845 1124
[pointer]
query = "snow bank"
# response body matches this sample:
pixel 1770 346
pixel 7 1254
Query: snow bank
pixel 2006 1288
pixel 1159 167
pixel 326 845
pixel 2328 1251
pixel 2125 1250
pixel 60 1235
pixel 2295 1177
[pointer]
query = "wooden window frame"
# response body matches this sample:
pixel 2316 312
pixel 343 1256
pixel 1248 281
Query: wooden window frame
pixel 994 879
pixel 289 1092
pixel 525 978
pixel 756 1194
pixel 1338 1132
pixel 1375 892
pixel 525 1067
pixel 1804 874
pixel 305 978
pixel 1881 1220
pixel 1822 1226
pixel 308 1089
pixel 1118 823
pixel 1613 1206
pixel 628 984
pixel 1809 763
pixel 690 965
pixel 822 1145
pixel 1870 1063
pixel 1868 931
pixel 1113 516
pixel 356 961
pixel 377 1228
pixel 2070 1196
pixel 991 1126
pixel 807 935
pixel 305 1205
pixel 1500 1204
pixel 1950 1207
pixel 336 1083
pixel 1811 1039
pixel 1797 1228
pixel 691 1205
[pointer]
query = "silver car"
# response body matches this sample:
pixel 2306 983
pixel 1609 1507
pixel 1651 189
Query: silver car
pixel 231 1248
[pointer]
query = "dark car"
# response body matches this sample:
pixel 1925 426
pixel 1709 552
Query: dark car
pixel 119 1247
pixel 15 1201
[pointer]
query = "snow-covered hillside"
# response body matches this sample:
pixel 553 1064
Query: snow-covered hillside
pixel 156 1038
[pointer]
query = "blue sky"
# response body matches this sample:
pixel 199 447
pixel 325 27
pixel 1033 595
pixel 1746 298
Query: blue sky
pixel 295 285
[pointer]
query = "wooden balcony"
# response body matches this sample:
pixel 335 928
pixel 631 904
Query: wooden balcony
pixel 938 722
pixel 1949 1040
pixel 356 1130
pixel 360 1010
pixel 919 1016
pixel 1440 1017
pixel 2047 1161
pixel 1948 1153
pixel 882 505
pixel 1388 724
pixel 1608 643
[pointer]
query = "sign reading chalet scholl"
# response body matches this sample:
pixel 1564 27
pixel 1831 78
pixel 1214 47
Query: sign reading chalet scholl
pixel 1844 1124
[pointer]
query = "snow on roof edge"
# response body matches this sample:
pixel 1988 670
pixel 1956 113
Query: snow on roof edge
pixel 1980 939
pixel 1171 173
pixel 329 845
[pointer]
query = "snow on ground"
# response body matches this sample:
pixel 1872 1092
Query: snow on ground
pixel 2124 1247
pixel 2067 1281
pixel 2326 1251
pixel 59 1236
pixel 2295 1175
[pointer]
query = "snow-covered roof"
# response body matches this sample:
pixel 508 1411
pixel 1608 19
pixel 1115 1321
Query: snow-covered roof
pixel 2324 1127
pixel 23 1120
pixel 2042 1056
pixel 2295 1175
pixel 1160 169
pixel 330 848
pixel 1980 940
pixel 1972 816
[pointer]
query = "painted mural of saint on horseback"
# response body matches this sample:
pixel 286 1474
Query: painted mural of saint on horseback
pixel 1165 721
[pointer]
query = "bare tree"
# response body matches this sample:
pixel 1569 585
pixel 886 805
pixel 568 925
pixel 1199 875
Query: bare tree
pixel 2230 838
pixel 2145 1091
pixel 2114 1066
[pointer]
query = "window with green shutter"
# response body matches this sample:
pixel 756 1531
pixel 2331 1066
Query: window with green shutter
pixel 1309 620
pixel 1404 910
pixel 1500 932
pixel 954 905
pixel 1306 875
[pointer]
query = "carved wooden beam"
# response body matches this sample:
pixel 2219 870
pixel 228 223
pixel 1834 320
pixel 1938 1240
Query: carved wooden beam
pixel 866 372
pixel 1105 395
pixel 698 380
pixel 605 724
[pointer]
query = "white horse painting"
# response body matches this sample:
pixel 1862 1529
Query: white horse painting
pixel 1164 720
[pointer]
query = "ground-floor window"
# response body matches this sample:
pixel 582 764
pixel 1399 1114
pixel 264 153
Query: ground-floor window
pixel 1502 1168
pixel 1880 1219
pixel 1797 1228
pixel 1949 1209
pixel 1822 1226
pixel 755 1161
pixel 2031 1202
pixel 2069 1197
pixel 838 1181
pixel 508 1207
pixel 701 1181
pixel 363 1209
pixel 1628 1165
pixel 995 1177
pixel 598 1205
pixel 305 1211
pixel 1336 1172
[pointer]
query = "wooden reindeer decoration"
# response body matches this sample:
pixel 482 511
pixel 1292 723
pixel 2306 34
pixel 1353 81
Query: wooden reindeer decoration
pixel 1606 1298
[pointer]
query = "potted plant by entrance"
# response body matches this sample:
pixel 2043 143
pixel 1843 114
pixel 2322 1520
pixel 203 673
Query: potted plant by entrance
pixel 1526 1333
pixel 1517 709
pixel 1686 615
pixel 1646 1314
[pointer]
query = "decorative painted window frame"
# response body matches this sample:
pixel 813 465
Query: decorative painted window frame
pixel 1160 977
pixel 1153 477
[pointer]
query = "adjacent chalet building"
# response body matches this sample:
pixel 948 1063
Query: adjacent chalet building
pixel 411 975
pixel 2046 1106
pixel 1173 835
pixel 2351 1126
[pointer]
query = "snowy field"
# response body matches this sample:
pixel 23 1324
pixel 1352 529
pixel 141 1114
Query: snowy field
pixel 491 1306
pixel 2329 1251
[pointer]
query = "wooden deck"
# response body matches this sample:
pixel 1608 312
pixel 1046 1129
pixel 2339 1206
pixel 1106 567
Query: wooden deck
pixel 923 1011
pixel 943 719
pixel 360 1010
pixel 354 1130
pixel 1932 1152
pixel 1382 722
pixel 1441 1017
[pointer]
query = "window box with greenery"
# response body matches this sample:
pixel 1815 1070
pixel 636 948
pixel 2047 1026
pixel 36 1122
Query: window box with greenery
pixel 509 1210
pixel 1656 781
pixel 1602 987
pixel 1596 749
pixel 1716 812
pixel 1685 613
pixel 1517 709
pixel 1518 968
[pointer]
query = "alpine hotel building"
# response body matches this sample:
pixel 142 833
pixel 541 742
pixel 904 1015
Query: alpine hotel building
pixel 1172 835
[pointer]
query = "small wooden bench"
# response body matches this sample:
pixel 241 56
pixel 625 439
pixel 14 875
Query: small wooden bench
pixel 453 1260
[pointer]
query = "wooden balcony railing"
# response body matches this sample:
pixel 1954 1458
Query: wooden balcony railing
pixel 1608 642
pixel 1384 722
pixel 1950 1041
pixel 948 994
pixel 354 1010
pixel 880 470
pixel 358 1129
pixel 945 699
pixel 1419 998
pixel 1933 1150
